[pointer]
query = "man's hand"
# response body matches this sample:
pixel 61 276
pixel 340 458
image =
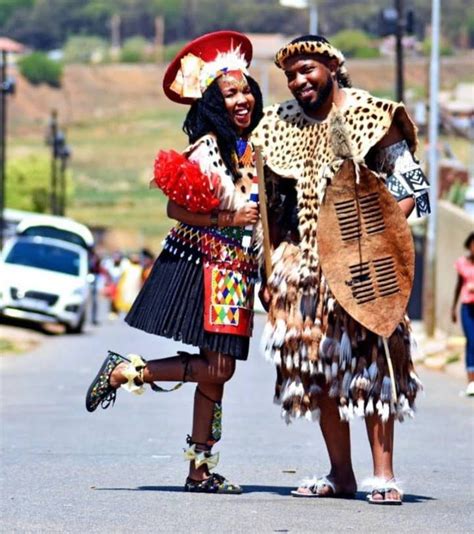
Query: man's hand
pixel 265 297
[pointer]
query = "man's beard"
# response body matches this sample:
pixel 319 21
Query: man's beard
pixel 323 94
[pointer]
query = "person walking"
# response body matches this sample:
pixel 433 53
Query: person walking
pixel 465 289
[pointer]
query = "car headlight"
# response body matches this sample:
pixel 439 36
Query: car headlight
pixel 78 292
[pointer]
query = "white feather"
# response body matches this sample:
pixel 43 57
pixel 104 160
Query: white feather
pixel 385 412
pixel 369 409
pixel 279 333
pixel 359 409
pixel 373 371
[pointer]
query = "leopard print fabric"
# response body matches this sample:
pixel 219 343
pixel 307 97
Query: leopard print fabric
pixel 295 146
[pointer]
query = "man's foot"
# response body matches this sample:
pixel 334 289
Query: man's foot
pixel 326 487
pixel 385 492
pixel 470 390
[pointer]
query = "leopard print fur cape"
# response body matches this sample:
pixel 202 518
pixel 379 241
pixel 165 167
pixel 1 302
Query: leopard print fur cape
pixel 308 335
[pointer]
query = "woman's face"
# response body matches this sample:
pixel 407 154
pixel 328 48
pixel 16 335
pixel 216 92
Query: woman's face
pixel 238 98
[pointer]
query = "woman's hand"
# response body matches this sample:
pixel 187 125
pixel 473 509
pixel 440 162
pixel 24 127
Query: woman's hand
pixel 454 315
pixel 247 214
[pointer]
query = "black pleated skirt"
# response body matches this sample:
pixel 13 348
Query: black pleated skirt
pixel 171 304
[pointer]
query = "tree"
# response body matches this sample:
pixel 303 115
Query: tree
pixel 28 183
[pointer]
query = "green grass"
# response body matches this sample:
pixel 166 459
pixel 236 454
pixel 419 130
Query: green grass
pixel 112 165
pixel 7 346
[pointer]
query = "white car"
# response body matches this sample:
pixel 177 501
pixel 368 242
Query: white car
pixel 44 280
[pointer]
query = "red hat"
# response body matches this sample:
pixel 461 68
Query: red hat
pixel 203 60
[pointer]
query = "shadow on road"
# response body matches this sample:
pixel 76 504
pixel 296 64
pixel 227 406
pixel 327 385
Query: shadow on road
pixel 284 491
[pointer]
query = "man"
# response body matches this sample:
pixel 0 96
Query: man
pixel 331 367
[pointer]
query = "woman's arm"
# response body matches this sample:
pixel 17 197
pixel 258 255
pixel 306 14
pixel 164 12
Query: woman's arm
pixel 247 214
pixel 457 292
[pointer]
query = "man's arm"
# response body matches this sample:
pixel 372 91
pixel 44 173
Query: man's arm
pixel 405 178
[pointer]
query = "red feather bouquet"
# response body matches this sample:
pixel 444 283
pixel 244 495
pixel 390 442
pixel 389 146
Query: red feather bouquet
pixel 183 182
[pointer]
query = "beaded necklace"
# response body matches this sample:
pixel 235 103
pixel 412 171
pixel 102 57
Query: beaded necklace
pixel 243 152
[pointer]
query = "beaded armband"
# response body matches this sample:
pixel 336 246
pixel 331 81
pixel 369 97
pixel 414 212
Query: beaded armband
pixel 405 178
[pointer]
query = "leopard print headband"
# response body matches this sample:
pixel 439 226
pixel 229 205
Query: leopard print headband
pixel 310 48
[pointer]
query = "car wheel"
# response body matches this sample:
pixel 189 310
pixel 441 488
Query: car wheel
pixel 79 328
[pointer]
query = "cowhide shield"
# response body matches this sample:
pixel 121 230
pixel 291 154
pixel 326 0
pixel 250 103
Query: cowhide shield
pixel 366 249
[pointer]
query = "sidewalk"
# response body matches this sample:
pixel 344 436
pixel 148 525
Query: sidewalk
pixel 440 353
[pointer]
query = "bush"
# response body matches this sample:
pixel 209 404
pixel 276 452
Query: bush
pixel 38 68
pixel 355 43
pixel 172 49
pixel 457 194
pixel 445 49
pixel 28 184
pixel 135 50
pixel 85 49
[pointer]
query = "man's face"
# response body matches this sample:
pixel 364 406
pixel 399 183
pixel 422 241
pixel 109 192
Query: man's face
pixel 310 81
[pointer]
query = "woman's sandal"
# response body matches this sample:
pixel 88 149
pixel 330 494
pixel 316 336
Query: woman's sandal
pixel 383 488
pixel 100 391
pixel 214 484
pixel 311 488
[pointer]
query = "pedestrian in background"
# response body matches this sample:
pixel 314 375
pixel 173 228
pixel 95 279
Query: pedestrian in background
pixel 465 288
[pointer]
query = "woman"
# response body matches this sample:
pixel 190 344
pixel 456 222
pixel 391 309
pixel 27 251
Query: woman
pixel 200 290
pixel 465 288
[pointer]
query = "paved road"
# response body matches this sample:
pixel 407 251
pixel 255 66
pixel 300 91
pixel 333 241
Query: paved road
pixel 121 470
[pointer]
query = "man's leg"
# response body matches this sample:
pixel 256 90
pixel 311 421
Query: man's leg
pixel 381 437
pixel 336 434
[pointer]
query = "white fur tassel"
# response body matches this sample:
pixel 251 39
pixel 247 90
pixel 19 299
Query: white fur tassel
pixel 279 333
pixel 369 409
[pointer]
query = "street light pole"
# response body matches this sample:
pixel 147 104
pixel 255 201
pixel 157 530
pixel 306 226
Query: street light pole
pixel 429 289
pixel 3 128
pixel 313 17
pixel 400 8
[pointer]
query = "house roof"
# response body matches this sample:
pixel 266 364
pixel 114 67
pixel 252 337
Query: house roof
pixel 9 45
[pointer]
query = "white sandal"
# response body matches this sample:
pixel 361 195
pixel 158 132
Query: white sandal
pixel 315 485
pixel 382 487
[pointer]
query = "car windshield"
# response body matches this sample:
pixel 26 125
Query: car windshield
pixel 42 256
pixel 56 233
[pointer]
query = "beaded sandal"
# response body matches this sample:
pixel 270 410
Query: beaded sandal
pixel 214 484
pixel 100 391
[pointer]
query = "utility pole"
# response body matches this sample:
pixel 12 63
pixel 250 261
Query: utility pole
pixel 64 153
pixel 3 127
pixel 115 36
pixel 7 87
pixel 429 286
pixel 160 38
pixel 53 133
pixel 400 30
